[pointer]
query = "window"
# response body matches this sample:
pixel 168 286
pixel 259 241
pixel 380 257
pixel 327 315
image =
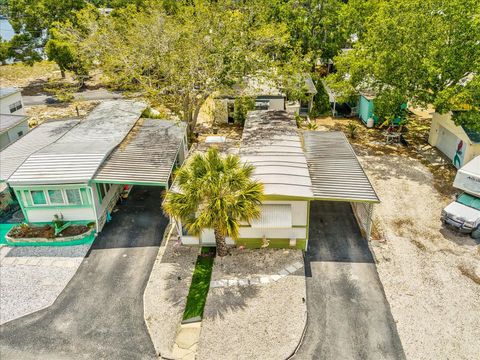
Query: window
pixel 56 197
pixel 15 106
pixel 274 216
pixel 101 190
pixel 73 196
pixel 261 104
pixel 38 197
pixel 20 133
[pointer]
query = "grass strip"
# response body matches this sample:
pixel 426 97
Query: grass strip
pixel 197 295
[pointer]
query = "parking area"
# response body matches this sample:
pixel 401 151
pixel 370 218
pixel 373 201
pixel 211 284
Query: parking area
pixel 100 312
pixel 348 314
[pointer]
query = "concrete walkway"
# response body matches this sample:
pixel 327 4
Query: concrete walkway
pixel 99 315
pixel 348 314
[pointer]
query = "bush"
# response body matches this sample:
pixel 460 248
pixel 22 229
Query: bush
pixel 352 129
pixel 321 103
pixel 242 106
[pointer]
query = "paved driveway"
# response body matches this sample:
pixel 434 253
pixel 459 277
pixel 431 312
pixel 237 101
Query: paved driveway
pixel 99 315
pixel 348 315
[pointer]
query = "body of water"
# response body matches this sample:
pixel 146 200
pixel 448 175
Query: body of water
pixel 6 30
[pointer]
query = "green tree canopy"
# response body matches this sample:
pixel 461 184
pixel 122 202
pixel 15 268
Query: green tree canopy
pixel 215 192
pixel 203 47
pixel 424 49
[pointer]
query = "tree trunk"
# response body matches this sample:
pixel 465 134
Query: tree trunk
pixel 222 249
pixel 63 73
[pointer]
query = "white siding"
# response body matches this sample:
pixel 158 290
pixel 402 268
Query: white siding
pixel 8 100
pixel 298 230
pixel 69 214
pixel 276 104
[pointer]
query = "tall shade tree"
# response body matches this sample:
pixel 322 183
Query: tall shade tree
pixel 215 192
pixel 69 44
pixel 424 49
pixel 180 56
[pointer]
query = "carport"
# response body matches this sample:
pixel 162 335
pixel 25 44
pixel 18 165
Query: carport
pixel 337 175
pixel 147 156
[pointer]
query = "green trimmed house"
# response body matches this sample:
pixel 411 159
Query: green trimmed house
pixel 78 169
pixel 295 168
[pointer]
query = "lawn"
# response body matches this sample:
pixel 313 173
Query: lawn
pixel 197 295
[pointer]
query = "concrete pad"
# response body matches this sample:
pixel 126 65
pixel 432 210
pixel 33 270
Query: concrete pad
pixel 291 269
pixel 276 277
pixel 243 282
pixel 283 272
pixel 264 279
pixel 232 282
pixel 187 337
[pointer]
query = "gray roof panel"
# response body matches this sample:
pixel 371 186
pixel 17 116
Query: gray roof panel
pixel 76 156
pixel 44 134
pixel 271 142
pixel 335 171
pixel 147 155
pixel 8 121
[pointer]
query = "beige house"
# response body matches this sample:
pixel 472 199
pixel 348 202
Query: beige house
pixel 456 142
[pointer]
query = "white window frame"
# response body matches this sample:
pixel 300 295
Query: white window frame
pixel 17 105
pixel 61 192
pixel 47 197
pixel 79 195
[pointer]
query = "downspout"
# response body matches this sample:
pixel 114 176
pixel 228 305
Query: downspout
pixel 94 208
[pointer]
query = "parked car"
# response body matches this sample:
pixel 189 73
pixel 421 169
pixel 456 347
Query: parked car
pixel 464 213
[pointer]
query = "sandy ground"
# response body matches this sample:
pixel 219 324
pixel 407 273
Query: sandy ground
pixel 41 113
pixel 241 322
pixel 431 275
pixel 427 271
pixel 166 293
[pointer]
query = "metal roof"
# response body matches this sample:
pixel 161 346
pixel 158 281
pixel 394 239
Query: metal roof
pixel 334 168
pixel 75 157
pixel 8 121
pixel 8 91
pixel 272 144
pixel 147 154
pixel 17 152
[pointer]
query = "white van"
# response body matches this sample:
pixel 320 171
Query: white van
pixel 464 213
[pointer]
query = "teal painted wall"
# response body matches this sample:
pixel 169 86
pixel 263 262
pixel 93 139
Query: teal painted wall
pixel 365 108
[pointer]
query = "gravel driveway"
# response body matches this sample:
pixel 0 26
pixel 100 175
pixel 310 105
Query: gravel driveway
pixel 32 277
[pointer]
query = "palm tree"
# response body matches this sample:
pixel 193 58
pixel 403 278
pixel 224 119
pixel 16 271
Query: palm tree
pixel 215 192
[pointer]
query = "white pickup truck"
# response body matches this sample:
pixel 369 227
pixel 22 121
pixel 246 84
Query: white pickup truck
pixel 464 213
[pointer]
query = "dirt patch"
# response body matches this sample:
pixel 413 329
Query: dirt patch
pixel 36 79
pixel 46 231
pixel 25 231
pixel 40 113
pixel 74 230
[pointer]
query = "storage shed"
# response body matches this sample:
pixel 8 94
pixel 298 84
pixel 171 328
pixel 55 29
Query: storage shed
pixel 458 143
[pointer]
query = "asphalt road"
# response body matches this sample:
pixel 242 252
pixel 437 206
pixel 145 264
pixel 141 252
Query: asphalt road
pixel 99 315
pixel 86 95
pixel 348 314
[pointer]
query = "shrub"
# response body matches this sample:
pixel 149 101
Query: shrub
pixel 242 106
pixel 352 129
pixel 321 103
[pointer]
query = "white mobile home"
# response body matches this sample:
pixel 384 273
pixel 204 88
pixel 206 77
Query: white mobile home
pixel 271 143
